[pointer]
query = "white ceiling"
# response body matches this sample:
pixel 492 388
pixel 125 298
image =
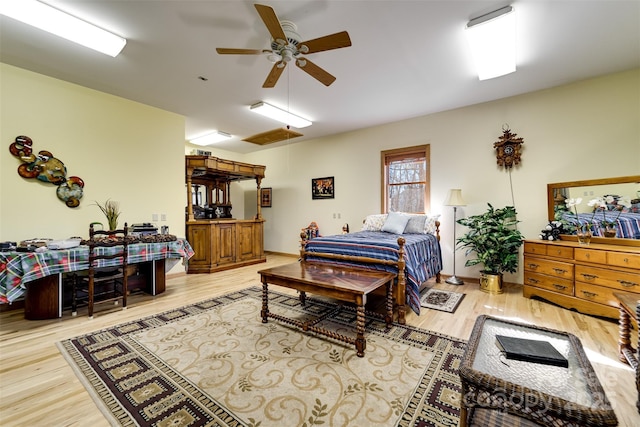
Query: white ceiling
pixel 407 59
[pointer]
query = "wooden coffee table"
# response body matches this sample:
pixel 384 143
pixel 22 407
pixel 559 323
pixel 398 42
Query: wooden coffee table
pixel 342 283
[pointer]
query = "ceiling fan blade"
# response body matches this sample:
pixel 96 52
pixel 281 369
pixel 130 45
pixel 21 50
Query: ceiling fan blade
pixel 332 41
pixel 231 51
pixel 316 72
pixel 272 22
pixel 274 74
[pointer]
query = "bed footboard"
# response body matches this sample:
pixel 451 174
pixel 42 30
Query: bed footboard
pixel 399 288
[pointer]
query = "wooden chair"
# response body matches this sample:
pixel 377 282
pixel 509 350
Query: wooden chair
pixel 103 283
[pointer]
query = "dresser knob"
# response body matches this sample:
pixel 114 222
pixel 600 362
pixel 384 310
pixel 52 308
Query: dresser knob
pixel 626 260
pixel 532 280
pixel 559 270
pixel 589 276
pixel 559 287
pixel 589 294
pixel 533 266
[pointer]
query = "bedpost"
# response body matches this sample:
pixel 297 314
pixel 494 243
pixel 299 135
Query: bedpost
pixel 303 242
pixel 401 296
pixel 438 278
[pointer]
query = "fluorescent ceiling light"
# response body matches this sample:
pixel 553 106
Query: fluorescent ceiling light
pixel 210 138
pixel 56 22
pixel 280 115
pixel 492 38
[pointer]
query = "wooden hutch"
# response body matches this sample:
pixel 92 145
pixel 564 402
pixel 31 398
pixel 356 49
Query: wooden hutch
pixel 220 241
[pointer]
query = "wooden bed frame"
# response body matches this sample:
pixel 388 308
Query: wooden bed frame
pixel 399 289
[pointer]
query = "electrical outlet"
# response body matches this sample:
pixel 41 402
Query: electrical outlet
pixel 163 217
pixel 154 217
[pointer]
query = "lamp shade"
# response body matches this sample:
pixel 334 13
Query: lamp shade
pixel 455 198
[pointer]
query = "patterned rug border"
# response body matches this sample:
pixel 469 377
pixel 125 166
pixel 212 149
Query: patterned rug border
pixel 72 351
pixel 447 309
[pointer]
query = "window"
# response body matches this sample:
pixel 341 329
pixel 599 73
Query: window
pixel 405 180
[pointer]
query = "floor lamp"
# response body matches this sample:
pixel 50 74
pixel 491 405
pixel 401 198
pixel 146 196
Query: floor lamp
pixel 454 199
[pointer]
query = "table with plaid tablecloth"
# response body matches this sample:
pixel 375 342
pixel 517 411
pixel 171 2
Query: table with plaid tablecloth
pixel 20 268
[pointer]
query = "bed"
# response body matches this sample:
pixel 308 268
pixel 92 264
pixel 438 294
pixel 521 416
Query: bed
pixel 413 254
pixel 627 224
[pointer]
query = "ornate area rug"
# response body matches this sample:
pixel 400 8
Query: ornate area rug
pixel 442 300
pixel 215 363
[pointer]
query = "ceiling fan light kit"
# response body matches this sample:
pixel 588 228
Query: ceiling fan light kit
pixel 63 25
pixel 280 115
pixel 492 39
pixel 210 138
pixel 286 45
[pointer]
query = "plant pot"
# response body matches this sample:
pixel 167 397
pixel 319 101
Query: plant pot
pixel 584 235
pixel 490 282
pixel 610 232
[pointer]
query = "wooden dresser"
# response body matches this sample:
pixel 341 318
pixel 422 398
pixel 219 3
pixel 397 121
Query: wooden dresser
pixel 581 277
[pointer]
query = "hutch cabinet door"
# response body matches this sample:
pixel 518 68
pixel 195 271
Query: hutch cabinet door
pixel 225 243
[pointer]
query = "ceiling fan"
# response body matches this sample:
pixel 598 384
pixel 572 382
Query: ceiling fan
pixel 286 45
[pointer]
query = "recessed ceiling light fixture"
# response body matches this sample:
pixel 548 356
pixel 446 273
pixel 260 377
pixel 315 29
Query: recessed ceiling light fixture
pixel 210 138
pixel 492 38
pixel 280 115
pixel 61 24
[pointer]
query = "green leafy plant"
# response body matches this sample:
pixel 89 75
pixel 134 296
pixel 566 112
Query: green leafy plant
pixel 494 238
pixel 111 210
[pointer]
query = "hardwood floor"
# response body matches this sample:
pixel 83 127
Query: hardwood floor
pixel 38 388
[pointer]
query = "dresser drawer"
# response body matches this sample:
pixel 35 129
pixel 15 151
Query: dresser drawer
pixel 622 259
pixel 553 268
pixel 563 286
pixel 560 252
pixel 591 255
pixel 550 250
pixel 617 280
pixel 599 294
pixel 535 248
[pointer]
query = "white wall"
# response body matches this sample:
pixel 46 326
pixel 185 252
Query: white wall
pixel 586 130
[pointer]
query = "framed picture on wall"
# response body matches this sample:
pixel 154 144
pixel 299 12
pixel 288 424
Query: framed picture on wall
pixel 322 188
pixel 265 197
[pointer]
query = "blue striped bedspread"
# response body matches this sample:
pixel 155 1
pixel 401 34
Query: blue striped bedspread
pixel 421 254
pixel 627 225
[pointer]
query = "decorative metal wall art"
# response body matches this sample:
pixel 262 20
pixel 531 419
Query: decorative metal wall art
pixel 46 168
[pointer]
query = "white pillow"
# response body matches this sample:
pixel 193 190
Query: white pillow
pixel 374 222
pixel 395 223
pixel 430 224
pixel 416 224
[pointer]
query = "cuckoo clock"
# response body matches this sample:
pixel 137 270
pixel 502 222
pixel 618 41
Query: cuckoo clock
pixel 508 149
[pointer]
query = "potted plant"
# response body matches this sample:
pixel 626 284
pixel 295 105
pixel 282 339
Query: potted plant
pixel 111 210
pixel 495 240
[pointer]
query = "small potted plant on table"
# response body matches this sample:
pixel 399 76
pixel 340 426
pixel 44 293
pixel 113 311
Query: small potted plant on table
pixel 495 240
pixel 111 210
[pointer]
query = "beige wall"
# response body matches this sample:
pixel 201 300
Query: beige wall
pixel 584 130
pixel 123 150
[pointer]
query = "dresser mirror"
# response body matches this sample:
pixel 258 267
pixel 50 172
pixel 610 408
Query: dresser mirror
pixel 628 186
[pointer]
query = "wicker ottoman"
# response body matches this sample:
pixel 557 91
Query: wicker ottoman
pixel 513 392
